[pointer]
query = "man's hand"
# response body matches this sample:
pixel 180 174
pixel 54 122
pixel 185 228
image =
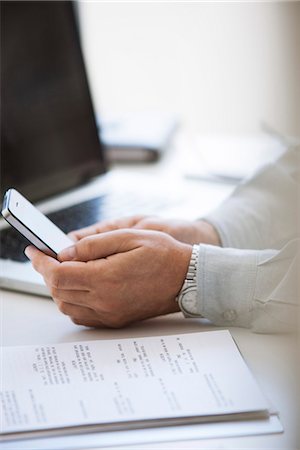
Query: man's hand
pixel 115 278
pixel 185 231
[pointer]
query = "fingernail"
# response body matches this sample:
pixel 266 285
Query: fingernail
pixel 28 252
pixel 67 254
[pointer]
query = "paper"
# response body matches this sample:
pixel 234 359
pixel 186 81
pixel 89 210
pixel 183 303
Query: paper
pixel 151 435
pixel 126 382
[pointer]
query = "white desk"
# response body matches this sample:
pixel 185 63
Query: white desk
pixel 30 320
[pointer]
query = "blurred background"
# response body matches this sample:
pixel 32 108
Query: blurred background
pixel 223 68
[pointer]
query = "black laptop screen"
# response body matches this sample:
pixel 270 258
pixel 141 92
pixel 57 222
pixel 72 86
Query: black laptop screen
pixel 49 139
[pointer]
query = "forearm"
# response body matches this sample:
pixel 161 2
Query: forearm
pixel 262 212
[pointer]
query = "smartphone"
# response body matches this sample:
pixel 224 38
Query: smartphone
pixel 33 225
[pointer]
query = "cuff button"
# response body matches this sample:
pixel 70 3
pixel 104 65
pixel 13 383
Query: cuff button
pixel 229 315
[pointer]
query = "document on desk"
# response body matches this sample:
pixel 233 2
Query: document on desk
pixel 124 384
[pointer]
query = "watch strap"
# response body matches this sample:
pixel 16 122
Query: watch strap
pixel 190 287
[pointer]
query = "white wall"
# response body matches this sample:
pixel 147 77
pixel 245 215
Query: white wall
pixel 224 67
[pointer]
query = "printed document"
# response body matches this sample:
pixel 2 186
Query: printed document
pixel 126 384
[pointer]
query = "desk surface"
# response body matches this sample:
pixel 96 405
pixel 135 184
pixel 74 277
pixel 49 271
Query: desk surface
pixel 29 320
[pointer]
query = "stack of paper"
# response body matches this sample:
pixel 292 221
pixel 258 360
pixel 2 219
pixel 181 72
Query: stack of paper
pixel 104 386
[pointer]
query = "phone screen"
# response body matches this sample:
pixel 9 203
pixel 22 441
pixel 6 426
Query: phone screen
pixel 33 225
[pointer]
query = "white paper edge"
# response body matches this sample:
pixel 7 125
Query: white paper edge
pixel 146 436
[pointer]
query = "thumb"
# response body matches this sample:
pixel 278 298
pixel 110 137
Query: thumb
pixel 102 245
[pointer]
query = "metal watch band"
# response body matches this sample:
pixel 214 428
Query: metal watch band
pixel 192 269
pixel 187 296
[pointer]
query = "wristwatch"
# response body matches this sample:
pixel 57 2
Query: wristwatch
pixel 187 297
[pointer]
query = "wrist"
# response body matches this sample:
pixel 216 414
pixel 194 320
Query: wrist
pixel 187 297
pixel 206 233
pixel 179 275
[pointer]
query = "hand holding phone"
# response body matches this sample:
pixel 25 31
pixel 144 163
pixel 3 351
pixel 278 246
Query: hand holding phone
pixel 33 225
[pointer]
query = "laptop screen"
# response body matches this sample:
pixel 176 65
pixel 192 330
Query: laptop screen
pixel 49 139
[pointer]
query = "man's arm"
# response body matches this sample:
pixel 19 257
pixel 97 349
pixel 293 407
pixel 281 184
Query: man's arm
pixel 262 211
pixel 121 276
pixel 254 288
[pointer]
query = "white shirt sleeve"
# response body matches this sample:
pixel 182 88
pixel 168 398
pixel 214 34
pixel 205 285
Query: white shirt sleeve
pixel 251 280
pixel 262 212
pixel 249 288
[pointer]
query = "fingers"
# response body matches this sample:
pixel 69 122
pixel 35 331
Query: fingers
pixel 70 296
pixel 102 245
pixel 80 315
pixel 106 225
pixel 150 223
pixel 77 311
pixel 84 315
pixel 73 235
pixel 40 260
pixel 89 318
pixel 68 275
pixel 84 232
pixel 88 323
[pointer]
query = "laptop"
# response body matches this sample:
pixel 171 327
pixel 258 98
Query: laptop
pixel 51 149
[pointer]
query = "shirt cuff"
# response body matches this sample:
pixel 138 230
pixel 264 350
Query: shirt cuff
pixel 226 280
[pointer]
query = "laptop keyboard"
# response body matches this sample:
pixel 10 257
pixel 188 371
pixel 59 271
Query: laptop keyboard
pixel 12 244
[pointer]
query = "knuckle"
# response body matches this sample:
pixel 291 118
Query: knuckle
pixel 77 321
pixel 104 223
pixel 74 235
pixel 85 323
pixel 63 307
pixel 86 246
pixel 54 292
pixel 113 223
pixel 55 278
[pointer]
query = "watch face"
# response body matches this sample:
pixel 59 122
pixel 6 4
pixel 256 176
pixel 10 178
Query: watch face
pixel 189 301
